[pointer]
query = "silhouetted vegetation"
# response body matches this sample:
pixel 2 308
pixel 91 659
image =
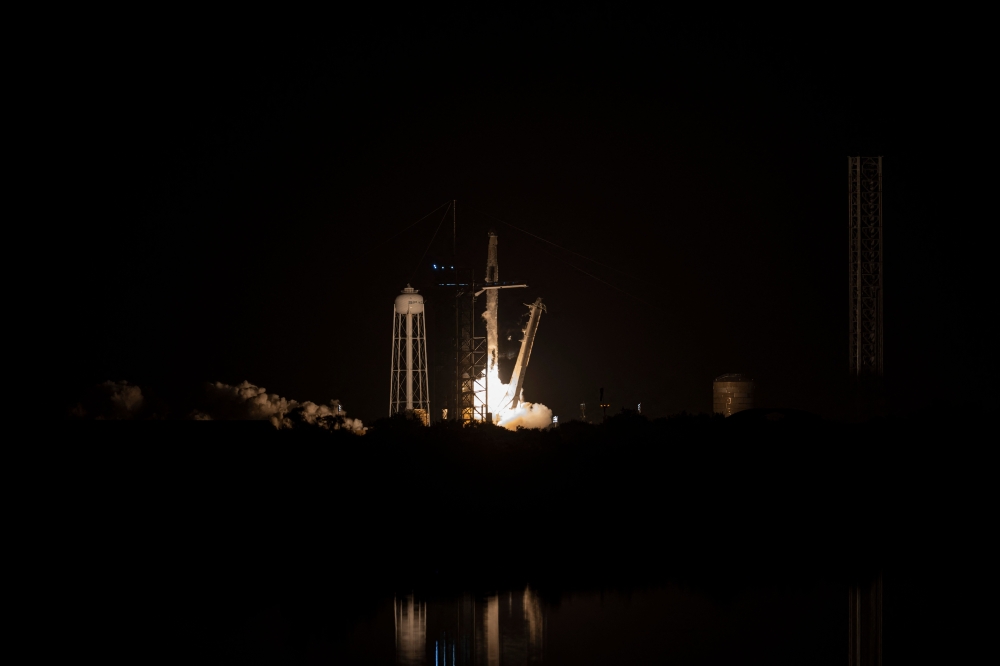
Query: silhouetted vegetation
pixel 230 514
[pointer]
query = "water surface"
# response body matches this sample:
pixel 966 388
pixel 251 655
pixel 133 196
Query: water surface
pixel 663 624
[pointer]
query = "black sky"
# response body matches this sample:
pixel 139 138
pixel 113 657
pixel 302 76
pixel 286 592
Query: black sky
pixel 230 198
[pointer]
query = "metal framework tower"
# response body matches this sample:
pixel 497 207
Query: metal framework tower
pixel 408 389
pixel 470 355
pixel 475 356
pixel 865 245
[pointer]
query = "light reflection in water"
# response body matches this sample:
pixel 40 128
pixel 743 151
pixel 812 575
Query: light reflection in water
pixel 411 630
pixel 497 630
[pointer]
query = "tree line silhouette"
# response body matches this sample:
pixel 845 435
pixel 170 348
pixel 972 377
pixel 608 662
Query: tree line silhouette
pixel 229 515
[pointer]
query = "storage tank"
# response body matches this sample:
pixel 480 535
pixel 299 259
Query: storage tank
pixel 408 391
pixel 732 393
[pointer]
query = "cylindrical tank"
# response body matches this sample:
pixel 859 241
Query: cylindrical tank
pixel 409 302
pixel 732 393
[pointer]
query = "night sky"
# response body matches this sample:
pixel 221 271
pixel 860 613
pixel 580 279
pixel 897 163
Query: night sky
pixel 228 202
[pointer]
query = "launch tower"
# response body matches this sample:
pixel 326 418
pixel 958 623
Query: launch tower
pixel 475 357
pixel 470 355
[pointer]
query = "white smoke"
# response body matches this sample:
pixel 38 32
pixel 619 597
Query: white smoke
pixel 113 401
pixel 526 415
pixel 125 398
pixel 244 402
pixel 249 402
pixel 518 413
pixel 330 416
pixel 508 411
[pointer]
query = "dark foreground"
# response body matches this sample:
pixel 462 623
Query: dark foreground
pixel 211 542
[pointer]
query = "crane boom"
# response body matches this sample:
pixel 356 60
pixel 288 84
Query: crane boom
pixel 513 396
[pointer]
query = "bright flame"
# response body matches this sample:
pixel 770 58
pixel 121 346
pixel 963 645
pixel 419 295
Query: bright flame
pixel 518 413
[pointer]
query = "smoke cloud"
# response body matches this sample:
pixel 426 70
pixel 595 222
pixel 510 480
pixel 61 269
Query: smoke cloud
pixel 526 415
pixel 517 413
pixel 110 400
pixel 249 402
pixel 119 400
pixel 244 402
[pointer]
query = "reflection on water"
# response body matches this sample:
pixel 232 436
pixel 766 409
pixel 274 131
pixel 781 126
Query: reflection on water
pixel 790 623
pixel 411 630
pixel 499 629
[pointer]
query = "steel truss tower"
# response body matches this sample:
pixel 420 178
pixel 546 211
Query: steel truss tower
pixel 473 352
pixel 865 238
pixel 470 355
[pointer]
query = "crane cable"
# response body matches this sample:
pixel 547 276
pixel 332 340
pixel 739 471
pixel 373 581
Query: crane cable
pixel 565 249
pixel 616 288
pixel 402 231
pixel 421 260
pixel 575 267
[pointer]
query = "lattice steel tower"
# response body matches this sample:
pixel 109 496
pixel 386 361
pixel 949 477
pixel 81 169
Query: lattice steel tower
pixel 865 227
pixel 470 353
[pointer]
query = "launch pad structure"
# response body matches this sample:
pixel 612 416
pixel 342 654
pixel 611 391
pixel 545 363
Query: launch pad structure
pixel 477 357
pixel 462 367
pixel 471 385
pixel 512 398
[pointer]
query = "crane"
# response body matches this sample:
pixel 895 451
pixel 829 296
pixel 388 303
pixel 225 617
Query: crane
pixel 513 396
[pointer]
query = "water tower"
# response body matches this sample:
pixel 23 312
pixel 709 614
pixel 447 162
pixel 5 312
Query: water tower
pixel 408 391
